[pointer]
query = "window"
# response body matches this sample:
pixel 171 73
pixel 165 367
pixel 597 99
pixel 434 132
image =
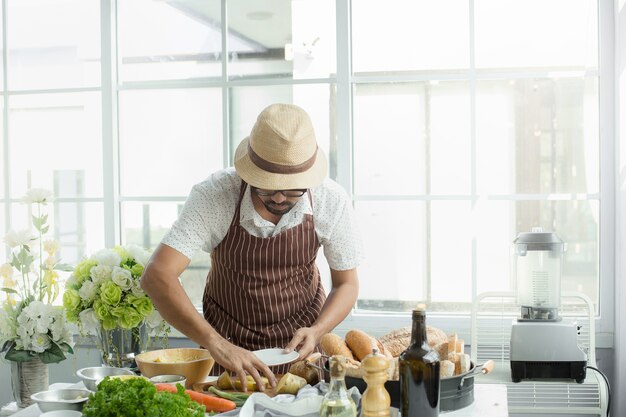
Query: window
pixel 453 124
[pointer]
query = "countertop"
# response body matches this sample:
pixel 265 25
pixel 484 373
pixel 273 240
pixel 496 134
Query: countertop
pixel 490 400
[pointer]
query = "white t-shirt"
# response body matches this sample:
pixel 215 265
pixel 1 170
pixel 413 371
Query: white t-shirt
pixel 210 207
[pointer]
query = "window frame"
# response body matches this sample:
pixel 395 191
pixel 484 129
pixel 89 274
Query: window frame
pixel 379 323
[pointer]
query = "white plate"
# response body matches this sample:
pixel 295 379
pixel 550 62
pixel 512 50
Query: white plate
pixel 275 356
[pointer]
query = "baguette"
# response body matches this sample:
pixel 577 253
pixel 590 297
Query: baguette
pixel 452 338
pixel 446 369
pixel 361 344
pixel 435 336
pixel 333 345
pixel 442 350
pixel 460 346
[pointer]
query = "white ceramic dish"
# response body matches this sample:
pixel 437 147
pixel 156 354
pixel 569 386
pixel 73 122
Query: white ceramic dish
pixel 61 413
pixel 169 379
pixel 276 356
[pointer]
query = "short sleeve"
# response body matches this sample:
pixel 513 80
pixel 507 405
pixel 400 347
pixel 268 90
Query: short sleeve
pixel 340 234
pixel 205 217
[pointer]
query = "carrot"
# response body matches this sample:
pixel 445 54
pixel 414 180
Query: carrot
pixel 217 404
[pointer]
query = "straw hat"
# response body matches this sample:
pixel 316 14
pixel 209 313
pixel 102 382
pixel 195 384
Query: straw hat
pixel 281 152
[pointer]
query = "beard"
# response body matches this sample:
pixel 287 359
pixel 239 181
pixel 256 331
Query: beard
pixel 278 209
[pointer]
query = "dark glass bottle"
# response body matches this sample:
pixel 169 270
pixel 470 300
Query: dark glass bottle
pixel 419 373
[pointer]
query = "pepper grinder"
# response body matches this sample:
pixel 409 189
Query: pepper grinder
pixel 375 401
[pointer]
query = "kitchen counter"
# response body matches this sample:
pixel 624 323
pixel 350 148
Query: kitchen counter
pixel 490 400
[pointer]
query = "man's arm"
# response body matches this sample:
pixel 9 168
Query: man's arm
pixel 343 295
pixel 160 282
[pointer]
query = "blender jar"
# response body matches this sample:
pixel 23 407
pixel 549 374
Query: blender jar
pixel 536 263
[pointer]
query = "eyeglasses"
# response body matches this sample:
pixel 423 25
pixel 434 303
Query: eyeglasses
pixel 271 193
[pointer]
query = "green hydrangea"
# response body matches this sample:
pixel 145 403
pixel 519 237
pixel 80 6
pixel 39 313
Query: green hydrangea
pixel 82 270
pixel 110 293
pixel 71 300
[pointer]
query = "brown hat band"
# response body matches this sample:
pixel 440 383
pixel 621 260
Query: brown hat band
pixel 278 168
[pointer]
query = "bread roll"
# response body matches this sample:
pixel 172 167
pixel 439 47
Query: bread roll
pixel 361 344
pixel 354 369
pixel 435 336
pixel 332 345
pixel 446 369
pixel 466 362
pixel 456 359
pixel 442 350
pixel 394 369
pixel 396 341
pixel 462 362
pixel 460 346
pixel 452 338
pixel 300 368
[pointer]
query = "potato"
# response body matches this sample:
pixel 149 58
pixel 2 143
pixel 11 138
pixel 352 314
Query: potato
pixel 225 381
pixel 290 384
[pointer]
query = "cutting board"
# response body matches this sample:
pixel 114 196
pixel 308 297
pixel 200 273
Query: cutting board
pixel 203 387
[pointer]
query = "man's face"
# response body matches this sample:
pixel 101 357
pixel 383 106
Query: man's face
pixel 278 202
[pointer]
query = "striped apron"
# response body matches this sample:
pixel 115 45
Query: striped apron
pixel 259 291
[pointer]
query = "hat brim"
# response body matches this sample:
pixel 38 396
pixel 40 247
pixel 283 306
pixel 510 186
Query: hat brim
pixel 259 178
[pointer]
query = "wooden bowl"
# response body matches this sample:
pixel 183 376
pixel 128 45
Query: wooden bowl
pixel 194 364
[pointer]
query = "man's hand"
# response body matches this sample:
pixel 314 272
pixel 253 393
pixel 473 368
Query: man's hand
pixel 304 341
pixel 242 362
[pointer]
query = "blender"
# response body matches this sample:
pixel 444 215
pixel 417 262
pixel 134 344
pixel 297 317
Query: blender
pixel 542 346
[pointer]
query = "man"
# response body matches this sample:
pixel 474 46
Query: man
pixel 263 223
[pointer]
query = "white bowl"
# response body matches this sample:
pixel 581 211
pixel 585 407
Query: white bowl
pixel 61 399
pixel 93 374
pixel 61 413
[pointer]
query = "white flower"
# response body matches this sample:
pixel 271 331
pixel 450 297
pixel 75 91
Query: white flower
pixel 100 273
pixel 140 255
pixel 40 342
pixel 107 257
pixel 154 320
pixel 136 289
pixel 18 238
pixel 122 277
pixel 89 321
pixel 88 291
pixel 37 195
pixel 39 316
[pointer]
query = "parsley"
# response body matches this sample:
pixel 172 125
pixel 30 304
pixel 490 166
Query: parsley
pixel 137 397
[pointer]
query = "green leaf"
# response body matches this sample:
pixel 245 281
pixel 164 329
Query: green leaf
pixel 7 345
pixel 54 354
pixel 24 257
pixel 45 230
pixel 37 222
pixel 18 355
pixel 15 263
pixel 8 290
pixel 67 348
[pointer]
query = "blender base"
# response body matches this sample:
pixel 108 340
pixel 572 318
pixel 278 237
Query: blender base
pixel 548 370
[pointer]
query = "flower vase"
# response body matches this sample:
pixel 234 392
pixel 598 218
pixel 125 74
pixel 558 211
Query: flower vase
pixel 28 378
pixel 119 346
